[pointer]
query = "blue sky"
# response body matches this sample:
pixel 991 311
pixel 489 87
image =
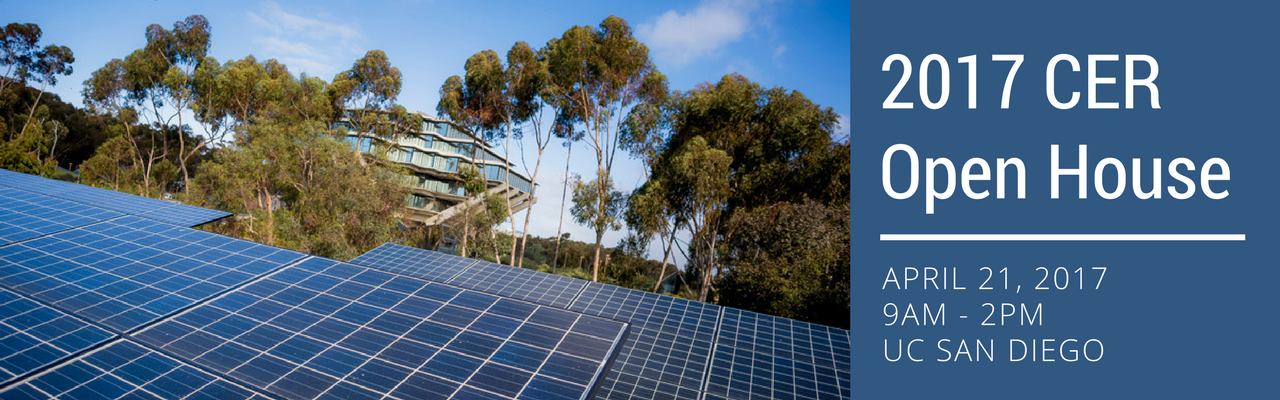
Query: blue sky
pixel 797 44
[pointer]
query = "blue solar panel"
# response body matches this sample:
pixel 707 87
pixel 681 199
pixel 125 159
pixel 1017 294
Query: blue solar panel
pixel 418 263
pixel 518 283
pixel 184 215
pixel 33 336
pixel 154 209
pixel 126 272
pixel 325 328
pixel 676 348
pixel 25 215
pixel 667 351
pixel 762 356
pixel 126 370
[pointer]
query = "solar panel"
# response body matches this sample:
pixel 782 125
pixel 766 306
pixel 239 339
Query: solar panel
pixel 418 263
pixel 184 215
pixel 763 356
pixel 666 353
pixel 518 283
pixel 129 271
pixel 326 328
pixel 124 369
pixel 34 184
pixel 676 348
pixel 154 209
pixel 33 336
pixel 25 215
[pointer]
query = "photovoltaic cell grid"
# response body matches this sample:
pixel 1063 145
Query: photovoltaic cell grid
pixel 666 353
pixel 518 283
pixel 533 286
pixel 325 328
pixel 129 271
pixel 126 370
pixel 762 356
pixel 154 209
pixel 25 215
pixel 671 340
pixel 418 263
pixel 33 336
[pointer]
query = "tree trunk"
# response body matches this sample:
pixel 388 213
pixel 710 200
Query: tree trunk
pixel 595 262
pixel 666 252
pixel 466 228
pixel 511 220
pixel 32 113
pixel 563 194
pixel 528 211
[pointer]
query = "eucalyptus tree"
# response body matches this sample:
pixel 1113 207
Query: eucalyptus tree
pixel 528 80
pixel 24 61
pixel 475 101
pixel 365 97
pixel 157 76
pixel 598 72
pixel 729 149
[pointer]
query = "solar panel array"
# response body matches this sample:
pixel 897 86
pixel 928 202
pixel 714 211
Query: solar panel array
pixel 25 215
pixel 676 349
pixel 94 304
pixel 124 369
pixel 123 203
pixel 325 328
pixel 129 271
pixel 99 298
pixel 33 335
pixel 667 353
pixel 763 356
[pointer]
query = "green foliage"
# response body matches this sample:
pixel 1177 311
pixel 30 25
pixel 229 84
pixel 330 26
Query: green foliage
pixel 586 197
pixel 595 73
pixel 26 125
pixel 366 95
pixel 791 260
pixel 299 187
pixel 719 154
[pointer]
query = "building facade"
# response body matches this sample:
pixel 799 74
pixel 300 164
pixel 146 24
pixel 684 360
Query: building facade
pixel 433 153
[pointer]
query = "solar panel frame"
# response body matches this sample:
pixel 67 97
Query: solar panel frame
pixel 646 367
pixel 668 349
pixel 33 336
pixel 518 283
pixel 25 215
pixel 418 263
pixel 155 209
pixel 130 271
pixel 324 327
pixel 778 358
pixel 125 369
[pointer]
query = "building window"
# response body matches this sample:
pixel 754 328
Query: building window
pixel 442 128
pixel 408 155
pixel 366 144
pixel 451 164
pixel 493 172
pixel 353 141
pixel 417 201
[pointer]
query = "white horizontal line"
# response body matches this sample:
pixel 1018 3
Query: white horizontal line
pixel 1061 237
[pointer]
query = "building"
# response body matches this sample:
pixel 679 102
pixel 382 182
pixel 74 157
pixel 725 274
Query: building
pixel 433 154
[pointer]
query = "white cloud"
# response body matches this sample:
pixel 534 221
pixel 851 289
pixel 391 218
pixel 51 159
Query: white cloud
pixel 312 45
pixel 679 38
pixel 779 51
